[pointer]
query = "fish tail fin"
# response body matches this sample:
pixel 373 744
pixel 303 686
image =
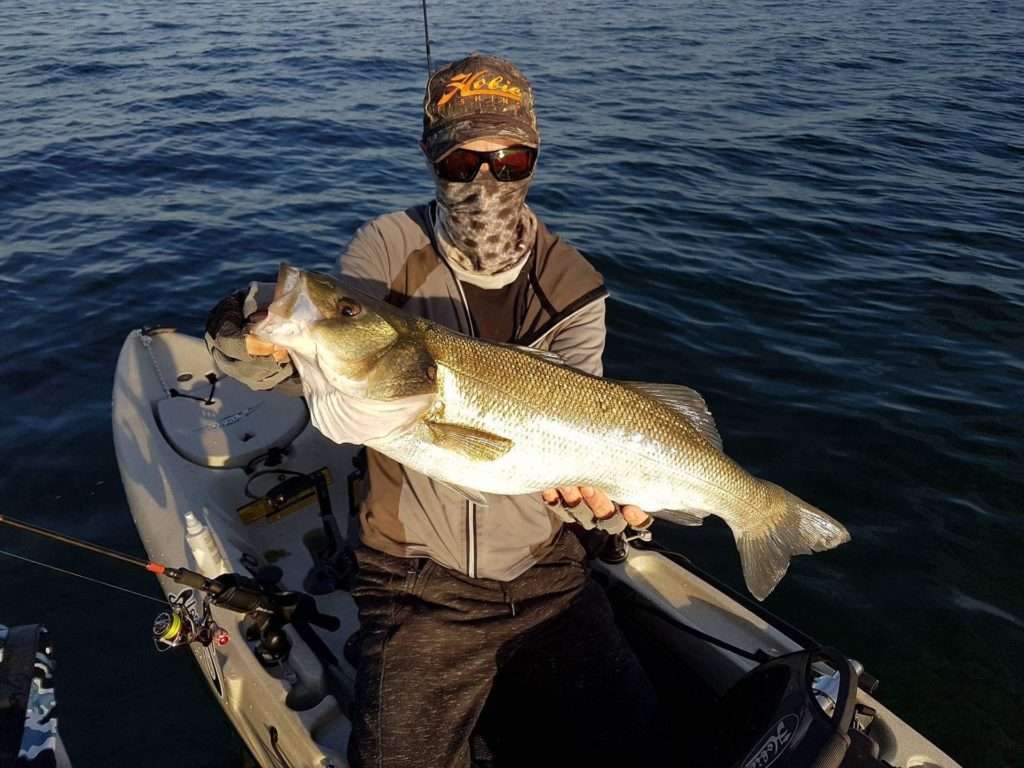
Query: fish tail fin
pixel 797 528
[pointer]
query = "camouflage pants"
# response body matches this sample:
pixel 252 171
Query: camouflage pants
pixel 435 643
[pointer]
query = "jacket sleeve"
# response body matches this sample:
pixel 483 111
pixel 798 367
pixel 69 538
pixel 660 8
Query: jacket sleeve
pixel 580 340
pixel 366 262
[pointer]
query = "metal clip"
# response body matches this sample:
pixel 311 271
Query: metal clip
pixel 643 535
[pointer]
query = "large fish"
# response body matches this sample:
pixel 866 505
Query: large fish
pixel 496 418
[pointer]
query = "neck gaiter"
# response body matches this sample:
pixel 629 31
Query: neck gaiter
pixel 484 226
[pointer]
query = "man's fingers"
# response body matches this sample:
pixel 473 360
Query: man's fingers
pixel 598 502
pixel 635 516
pixel 570 495
pixel 257 347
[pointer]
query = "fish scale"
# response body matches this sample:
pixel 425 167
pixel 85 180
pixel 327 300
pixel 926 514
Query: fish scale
pixel 499 419
pixel 596 421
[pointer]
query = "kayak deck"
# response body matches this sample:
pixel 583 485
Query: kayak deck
pixel 188 440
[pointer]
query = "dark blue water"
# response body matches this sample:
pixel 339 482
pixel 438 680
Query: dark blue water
pixel 810 211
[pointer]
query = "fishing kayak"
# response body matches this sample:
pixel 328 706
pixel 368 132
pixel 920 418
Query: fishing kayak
pixel 225 480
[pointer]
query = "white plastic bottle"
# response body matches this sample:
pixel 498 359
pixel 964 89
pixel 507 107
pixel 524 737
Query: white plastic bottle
pixel 209 560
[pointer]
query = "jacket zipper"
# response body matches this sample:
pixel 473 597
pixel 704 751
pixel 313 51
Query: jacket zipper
pixel 471 539
pixel 471 545
pixel 470 506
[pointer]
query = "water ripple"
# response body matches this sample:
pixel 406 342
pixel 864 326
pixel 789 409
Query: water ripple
pixel 809 211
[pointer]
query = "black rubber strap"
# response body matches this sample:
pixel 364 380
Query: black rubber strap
pixel 559 315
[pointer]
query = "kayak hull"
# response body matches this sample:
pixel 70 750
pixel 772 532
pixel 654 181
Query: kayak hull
pixel 182 452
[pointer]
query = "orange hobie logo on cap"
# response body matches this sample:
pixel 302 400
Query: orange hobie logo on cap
pixel 478 84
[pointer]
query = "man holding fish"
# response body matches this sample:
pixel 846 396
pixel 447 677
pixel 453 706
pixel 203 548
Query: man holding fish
pixel 456 585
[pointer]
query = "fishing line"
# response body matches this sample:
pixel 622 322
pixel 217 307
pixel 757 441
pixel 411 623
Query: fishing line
pixel 80 576
pixel 269 608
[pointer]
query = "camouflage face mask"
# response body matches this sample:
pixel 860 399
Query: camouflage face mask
pixel 484 225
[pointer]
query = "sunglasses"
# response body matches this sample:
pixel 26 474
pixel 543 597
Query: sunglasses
pixel 508 164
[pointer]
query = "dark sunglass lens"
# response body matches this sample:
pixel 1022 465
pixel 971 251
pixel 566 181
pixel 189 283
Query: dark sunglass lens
pixel 460 165
pixel 512 164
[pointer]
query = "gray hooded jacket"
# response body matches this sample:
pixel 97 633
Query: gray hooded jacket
pixel 407 514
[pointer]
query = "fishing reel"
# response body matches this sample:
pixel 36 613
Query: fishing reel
pixel 182 625
pixel 267 609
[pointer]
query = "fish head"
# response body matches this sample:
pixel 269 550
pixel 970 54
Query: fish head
pixel 326 325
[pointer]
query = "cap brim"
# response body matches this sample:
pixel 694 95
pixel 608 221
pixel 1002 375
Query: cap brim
pixel 442 141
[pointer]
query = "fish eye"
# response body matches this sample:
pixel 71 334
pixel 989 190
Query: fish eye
pixel 349 308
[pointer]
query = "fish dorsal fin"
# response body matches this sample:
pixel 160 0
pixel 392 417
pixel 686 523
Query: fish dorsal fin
pixel 405 369
pixel 686 402
pixel 543 354
pixel 470 442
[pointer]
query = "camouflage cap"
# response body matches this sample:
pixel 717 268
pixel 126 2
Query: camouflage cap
pixel 478 97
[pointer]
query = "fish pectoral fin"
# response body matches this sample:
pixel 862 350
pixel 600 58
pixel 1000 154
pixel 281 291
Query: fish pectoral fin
pixel 473 443
pixel 469 494
pixel 543 354
pixel 682 516
pixel 405 369
pixel 686 402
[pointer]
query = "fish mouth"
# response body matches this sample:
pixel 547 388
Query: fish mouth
pixel 289 293
pixel 288 278
pixel 291 310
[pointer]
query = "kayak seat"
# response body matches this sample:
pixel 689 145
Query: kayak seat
pixel 232 428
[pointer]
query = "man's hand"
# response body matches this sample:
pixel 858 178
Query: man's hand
pixel 600 505
pixel 257 347
pixel 247 358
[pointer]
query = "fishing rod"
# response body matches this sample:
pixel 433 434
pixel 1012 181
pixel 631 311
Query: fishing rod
pixel 268 607
pixel 426 40
pixel 86 545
